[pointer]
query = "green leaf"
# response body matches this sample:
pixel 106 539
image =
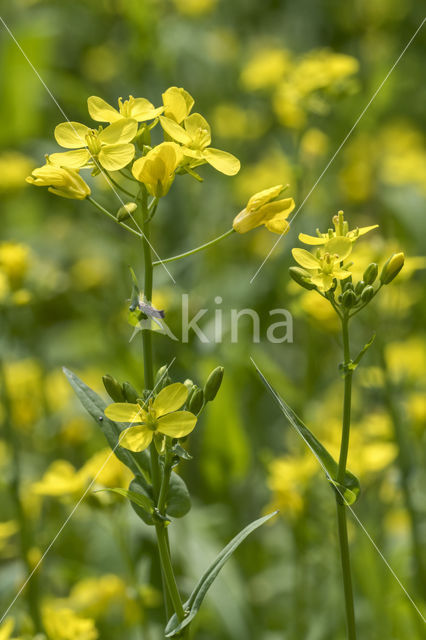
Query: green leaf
pixel 178 499
pixel 139 499
pixel 197 596
pixel 363 350
pixel 140 487
pixel 95 406
pixel 351 489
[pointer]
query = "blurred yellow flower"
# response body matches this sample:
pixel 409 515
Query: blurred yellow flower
pixel 61 479
pixel 65 624
pixel 195 138
pixel 195 8
pixel 177 104
pixel 231 121
pixel 139 109
pixel 60 181
pixel 6 629
pixel 157 169
pixel 107 470
pixel 110 147
pixel 326 265
pixel 265 69
pixel 7 531
pixel 314 143
pixel 14 167
pixel 288 477
pixel 95 596
pixel 25 391
pixel 14 261
pixel 263 209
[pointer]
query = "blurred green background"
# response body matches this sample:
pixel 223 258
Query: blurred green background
pixel 282 84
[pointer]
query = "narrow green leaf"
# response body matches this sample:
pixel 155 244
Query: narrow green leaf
pixel 197 596
pixel 365 348
pixel 351 490
pixel 139 499
pixel 95 406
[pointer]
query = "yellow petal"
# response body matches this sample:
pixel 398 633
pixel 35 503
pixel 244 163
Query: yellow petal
pixel 278 207
pixel 142 110
pixel 356 233
pixel 177 424
pixel 305 259
pixel 175 131
pixel 199 130
pixel 124 412
pixel 323 281
pixel 262 197
pixel 178 103
pixel 222 161
pixel 312 240
pixel 170 398
pixel 278 224
pixel 136 438
pixel 71 135
pixel 339 245
pixel 123 130
pixel 101 111
pixel 72 159
pixel 115 156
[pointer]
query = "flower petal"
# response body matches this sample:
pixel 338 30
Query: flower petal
pixel 123 130
pixel 339 245
pixel 262 197
pixel 222 161
pixel 306 259
pixel 177 424
pixel 278 224
pixel 125 412
pixel 115 156
pixel 175 131
pixel 72 159
pixel 178 103
pixel 170 398
pixel 136 438
pixel 101 111
pixel 142 110
pixel 71 135
pixel 312 240
pixel 199 130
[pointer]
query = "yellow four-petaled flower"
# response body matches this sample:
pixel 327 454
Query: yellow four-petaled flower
pixel 263 209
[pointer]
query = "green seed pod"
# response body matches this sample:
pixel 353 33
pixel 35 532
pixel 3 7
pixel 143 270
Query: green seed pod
pixel 359 287
pixel 162 378
pixel 126 210
pixel 196 400
pixel 130 393
pixel 349 299
pixel 370 274
pixel 367 293
pixel 213 383
pixel 113 388
pixel 392 267
pixel 302 277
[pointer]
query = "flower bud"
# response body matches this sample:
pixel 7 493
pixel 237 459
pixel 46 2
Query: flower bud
pixel 130 393
pixel 367 294
pixel 370 274
pixel 196 400
pixel 302 277
pixel 213 383
pixel 392 267
pixel 359 287
pixel 126 210
pixel 113 388
pixel 349 298
pixel 348 286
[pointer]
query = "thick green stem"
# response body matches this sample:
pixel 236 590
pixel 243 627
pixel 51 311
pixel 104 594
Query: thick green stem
pixel 197 249
pixel 169 575
pixel 340 505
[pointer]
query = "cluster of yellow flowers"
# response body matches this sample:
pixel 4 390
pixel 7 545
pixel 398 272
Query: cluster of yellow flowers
pixel 14 265
pixel 114 144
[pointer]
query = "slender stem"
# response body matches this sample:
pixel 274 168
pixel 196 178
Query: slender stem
pixel 119 186
pixel 112 216
pixel 168 571
pixel 196 250
pixel 340 505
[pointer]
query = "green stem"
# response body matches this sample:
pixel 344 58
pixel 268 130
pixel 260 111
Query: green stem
pixel 112 216
pixel 169 575
pixel 119 186
pixel 340 505
pixel 32 589
pixel 196 250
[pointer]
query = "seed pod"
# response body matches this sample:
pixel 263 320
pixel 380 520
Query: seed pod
pixel 130 393
pixel 196 401
pixel 359 287
pixel 213 383
pixel 392 267
pixel 302 277
pixel 370 274
pixel 367 293
pixel 349 298
pixel 113 388
pixel 126 210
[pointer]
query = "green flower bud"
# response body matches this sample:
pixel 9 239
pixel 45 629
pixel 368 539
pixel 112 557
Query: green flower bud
pixel 349 298
pixel 348 286
pixel 196 400
pixel 126 210
pixel 370 274
pixel 302 277
pixel 130 393
pixel 162 378
pixel 367 293
pixel 113 388
pixel 359 287
pixel 213 383
pixel 392 267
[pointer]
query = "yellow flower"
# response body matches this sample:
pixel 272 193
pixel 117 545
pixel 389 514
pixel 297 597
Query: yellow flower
pixel 263 209
pixel 195 138
pixel 60 181
pixel 139 109
pixel 14 260
pixel 325 266
pixel 157 169
pixel 6 629
pixel 177 104
pixel 61 479
pixel 161 416
pixel 64 624
pixel 110 147
pixel 265 69
pixel 341 229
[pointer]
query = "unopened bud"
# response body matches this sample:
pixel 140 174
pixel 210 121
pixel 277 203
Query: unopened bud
pixel 113 388
pixel 349 298
pixel 348 286
pixel 367 294
pixel 196 400
pixel 370 274
pixel 126 211
pixel 302 277
pixel 359 287
pixel 130 393
pixel 392 267
pixel 213 383
pixel 162 378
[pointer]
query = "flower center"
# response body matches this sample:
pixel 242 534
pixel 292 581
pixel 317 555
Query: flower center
pixel 93 143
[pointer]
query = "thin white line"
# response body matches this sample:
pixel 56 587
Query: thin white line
pixel 72 126
pixel 283 407
pixel 342 144
pixel 78 504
